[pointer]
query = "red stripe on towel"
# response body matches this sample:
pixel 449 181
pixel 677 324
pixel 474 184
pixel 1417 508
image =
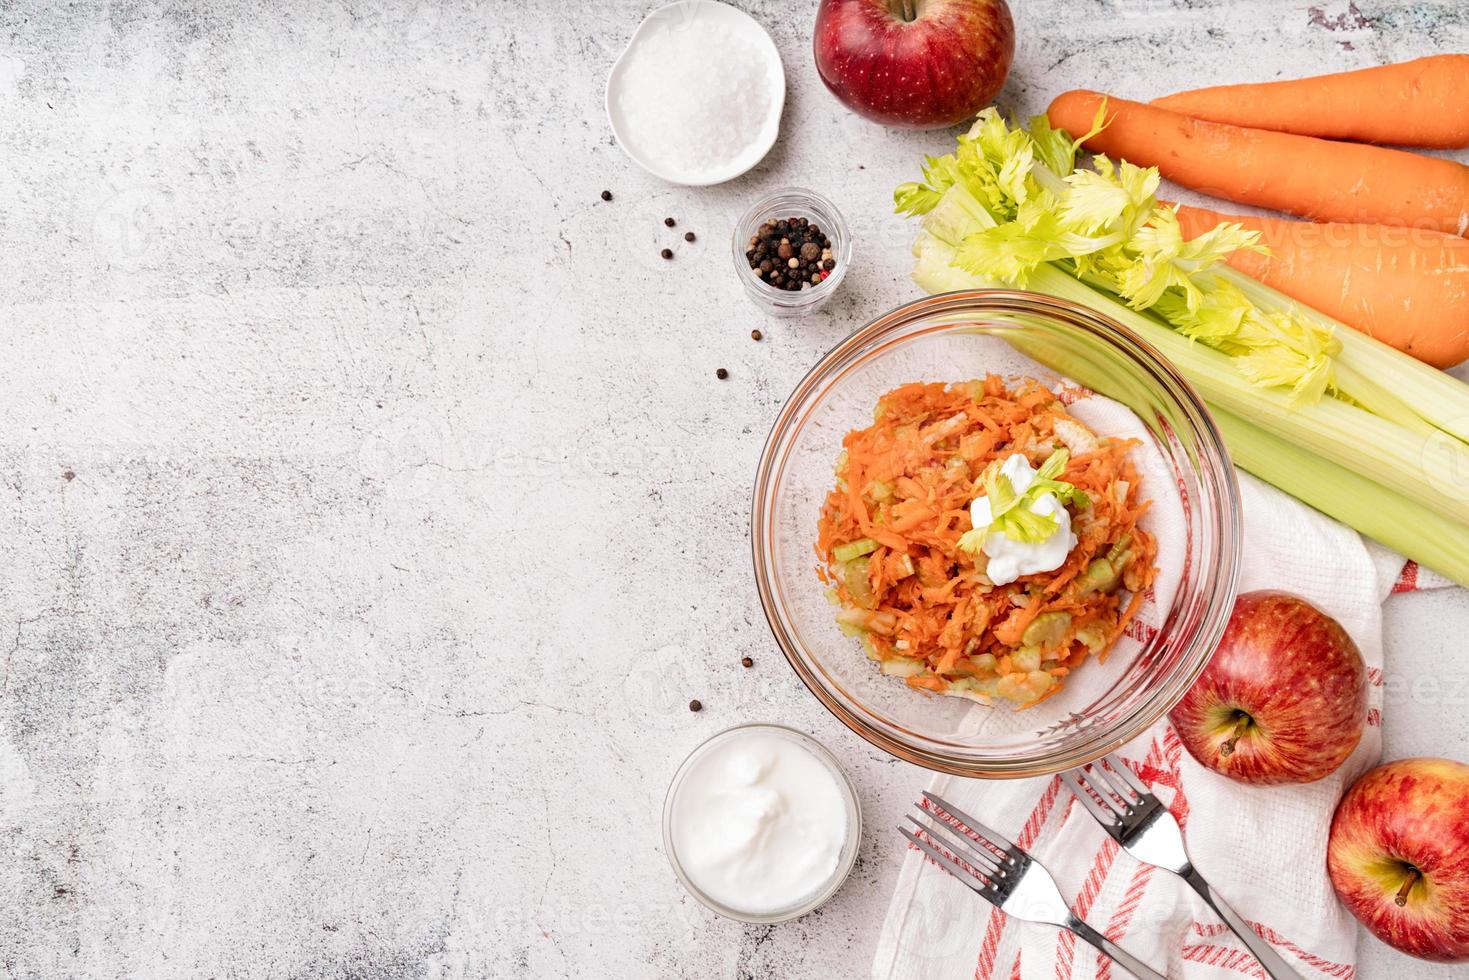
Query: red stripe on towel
pixel 984 967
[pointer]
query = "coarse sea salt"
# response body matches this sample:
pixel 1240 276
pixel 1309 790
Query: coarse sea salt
pixel 695 96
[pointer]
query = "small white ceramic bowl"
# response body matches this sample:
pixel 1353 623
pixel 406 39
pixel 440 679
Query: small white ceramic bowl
pixel 850 842
pixel 737 23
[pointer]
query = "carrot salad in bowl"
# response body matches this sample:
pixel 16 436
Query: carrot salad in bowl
pixel 982 541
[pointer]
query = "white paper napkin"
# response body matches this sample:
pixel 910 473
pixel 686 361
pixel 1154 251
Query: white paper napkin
pixel 1263 848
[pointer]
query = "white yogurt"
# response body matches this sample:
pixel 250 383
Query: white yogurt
pixel 1009 559
pixel 758 822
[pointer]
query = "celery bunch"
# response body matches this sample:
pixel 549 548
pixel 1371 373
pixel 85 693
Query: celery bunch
pixel 1359 430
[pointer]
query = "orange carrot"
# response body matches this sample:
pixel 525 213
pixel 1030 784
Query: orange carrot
pixel 1408 287
pixel 1424 102
pixel 1313 178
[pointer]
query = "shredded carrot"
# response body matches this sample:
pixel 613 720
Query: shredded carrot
pixel 906 483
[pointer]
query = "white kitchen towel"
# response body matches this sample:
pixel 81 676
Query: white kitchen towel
pixel 1263 848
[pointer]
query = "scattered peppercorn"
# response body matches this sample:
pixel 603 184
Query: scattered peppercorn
pixel 747 662
pixel 756 335
pixel 694 705
pixel 667 253
pixel 789 253
pixel 606 195
pixel 669 222
pixel 688 236
pixel 721 374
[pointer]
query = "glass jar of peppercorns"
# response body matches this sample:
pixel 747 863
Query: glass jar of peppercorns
pixel 791 250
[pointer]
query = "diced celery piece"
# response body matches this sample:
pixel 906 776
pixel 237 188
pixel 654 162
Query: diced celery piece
pixel 1026 658
pixel 1046 632
pixel 854 549
pixel 858 586
pixel 903 667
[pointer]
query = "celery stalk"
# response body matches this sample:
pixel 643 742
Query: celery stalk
pixel 1414 463
pixel 1390 518
pixel 1378 400
pixel 1353 438
pixel 1396 521
pixel 1435 396
pixel 1392 390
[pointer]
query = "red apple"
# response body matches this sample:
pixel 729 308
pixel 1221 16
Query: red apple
pixel 1284 698
pixel 924 64
pixel 1399 856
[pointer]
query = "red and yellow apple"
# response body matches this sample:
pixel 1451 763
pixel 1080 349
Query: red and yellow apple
pixel 1283 699
pixel 924 64
pixel 1399 856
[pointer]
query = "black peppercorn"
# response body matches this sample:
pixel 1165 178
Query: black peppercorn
pixel 667 253
pixel 746 662
pixel 694 705
pixel 792 252
pixel 721 374
pixel 688 236
pixel 606 195
pixel 669 222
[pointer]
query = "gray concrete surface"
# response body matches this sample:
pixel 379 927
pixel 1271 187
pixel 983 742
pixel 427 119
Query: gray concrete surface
pixel 372 511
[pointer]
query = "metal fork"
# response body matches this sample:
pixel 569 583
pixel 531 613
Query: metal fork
pixel 1010 879
pixel 1136 819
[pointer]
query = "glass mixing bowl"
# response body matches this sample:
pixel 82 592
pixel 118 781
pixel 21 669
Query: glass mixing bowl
pixel 1186 472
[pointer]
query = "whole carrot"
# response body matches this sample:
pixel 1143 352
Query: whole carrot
pixel 1408 287
pixel 1313 178
pixel 1424 102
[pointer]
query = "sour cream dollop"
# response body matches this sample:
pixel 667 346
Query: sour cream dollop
pixel 1009 559
pixel 758 822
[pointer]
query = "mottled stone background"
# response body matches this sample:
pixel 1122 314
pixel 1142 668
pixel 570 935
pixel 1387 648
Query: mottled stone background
pixel 369 509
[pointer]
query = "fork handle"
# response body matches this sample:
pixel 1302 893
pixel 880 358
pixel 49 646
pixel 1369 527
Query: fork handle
pixel 1116 953
pixel 1264 952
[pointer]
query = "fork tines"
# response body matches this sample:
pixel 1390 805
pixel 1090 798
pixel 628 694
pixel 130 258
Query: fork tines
pixel 982 860
pixel 1108 788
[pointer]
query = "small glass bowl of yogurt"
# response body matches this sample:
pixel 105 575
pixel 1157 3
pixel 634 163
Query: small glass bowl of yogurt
pixel 792 202
pixel 761 824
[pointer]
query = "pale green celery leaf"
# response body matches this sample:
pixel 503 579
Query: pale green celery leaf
pixel 913 198
pixel 1140 183
pixel 1164 260
pixel 1027 526
pixel 973 540
pixel 1271 349
pixel 1038 233
pixel 1001 492
pixel 1015 169
pixel 939 174
pixel 1007 252
pixel 995 162
pixel 1054 148
pixel 1307 378
pixel 1287 350
pixel 1215 320
pixel 1092 202
pixel 1054 465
